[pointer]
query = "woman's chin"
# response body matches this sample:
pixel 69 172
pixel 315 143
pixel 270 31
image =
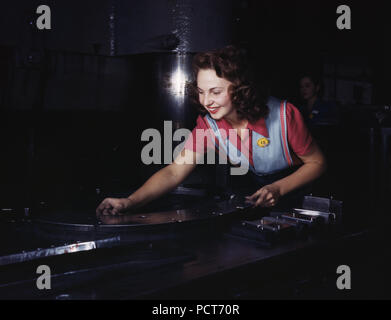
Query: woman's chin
pixel 216 116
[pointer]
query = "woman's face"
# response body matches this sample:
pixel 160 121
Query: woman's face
pixel 308 89
pixel 213 94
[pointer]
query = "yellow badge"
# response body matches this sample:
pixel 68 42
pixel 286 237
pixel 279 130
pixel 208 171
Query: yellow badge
pixel 262 142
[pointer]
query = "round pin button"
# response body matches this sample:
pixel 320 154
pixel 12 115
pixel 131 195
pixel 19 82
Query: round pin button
pixel 262 142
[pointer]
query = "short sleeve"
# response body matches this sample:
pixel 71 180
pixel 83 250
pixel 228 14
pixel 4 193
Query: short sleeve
pixel 299 137
pixel 200 139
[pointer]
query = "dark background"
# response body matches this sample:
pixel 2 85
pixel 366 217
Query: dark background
pixel 73 104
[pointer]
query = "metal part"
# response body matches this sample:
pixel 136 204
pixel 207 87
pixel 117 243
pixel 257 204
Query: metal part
pixel 323 205
pixel 268 230
pixel 189 191
pixel 327 216
pixel 59 250
pixel 207 211
pixel 303 218
pixel 269 223
pixel 142 225
pixel 295 223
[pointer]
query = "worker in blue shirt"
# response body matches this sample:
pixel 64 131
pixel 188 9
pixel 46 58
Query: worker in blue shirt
pixel 315 110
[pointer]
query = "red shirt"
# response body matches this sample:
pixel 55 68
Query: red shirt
pixel 299 137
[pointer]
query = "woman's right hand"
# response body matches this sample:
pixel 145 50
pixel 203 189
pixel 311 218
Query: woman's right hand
pixel 114 206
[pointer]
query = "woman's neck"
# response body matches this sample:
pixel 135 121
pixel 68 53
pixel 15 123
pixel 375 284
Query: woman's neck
pixel 311 102
pixel 235 121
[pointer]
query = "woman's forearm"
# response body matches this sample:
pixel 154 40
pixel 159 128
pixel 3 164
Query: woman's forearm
pixel 314 165
pixel 162 182
pixel 307 173
pixel 157 185
pixel 165 179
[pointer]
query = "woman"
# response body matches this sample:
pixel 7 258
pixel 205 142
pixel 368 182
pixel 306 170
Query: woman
pixel 276 141
pixel 315 110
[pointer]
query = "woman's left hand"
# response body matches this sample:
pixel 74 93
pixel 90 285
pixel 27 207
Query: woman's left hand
pixel 267 196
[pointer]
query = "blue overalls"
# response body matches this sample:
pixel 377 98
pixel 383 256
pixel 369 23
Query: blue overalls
pixel 272 160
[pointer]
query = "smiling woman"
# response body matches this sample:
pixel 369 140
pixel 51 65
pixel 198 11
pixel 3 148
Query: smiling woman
pixel 214 94
pixel 270 136
pixel 228 70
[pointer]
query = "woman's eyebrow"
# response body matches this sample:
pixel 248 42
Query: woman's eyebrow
pixel 211 88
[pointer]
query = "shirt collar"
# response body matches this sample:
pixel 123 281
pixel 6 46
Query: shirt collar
pixel 258 126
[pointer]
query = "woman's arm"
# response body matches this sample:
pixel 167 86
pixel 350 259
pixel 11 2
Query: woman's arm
pixel 165 179
pixel 314 164
pixel 159 184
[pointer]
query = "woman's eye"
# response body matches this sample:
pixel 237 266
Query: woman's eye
pixel 218 92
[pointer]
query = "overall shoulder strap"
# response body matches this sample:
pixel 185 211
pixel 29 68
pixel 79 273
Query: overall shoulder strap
pixel 284 132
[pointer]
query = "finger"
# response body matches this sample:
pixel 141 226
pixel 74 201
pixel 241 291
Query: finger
pixel 113 209
pixel 101 206
pixel 101 209
pixel 258 202
pixel 249 201
pixel 254 196
pixel 269 203
pixel 267 199
pixel 261 198
pixel 269 196
pixel 264 198
pixel 106 211
pixel 107 208
pixel 255 199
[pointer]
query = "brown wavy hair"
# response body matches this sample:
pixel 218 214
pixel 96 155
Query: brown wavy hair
pixel 232 64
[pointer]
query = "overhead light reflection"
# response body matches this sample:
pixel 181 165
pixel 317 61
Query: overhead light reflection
pixel 178 82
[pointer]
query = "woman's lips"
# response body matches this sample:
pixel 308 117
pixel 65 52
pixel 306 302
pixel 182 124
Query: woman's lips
pixel 213 110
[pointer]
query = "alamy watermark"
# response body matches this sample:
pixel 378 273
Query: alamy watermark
pixel 344 281
pixel 44 21
pixel 44 280
pixel 344 21
pixel 204 139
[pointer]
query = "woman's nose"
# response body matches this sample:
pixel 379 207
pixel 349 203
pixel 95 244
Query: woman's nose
pixel 207 100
